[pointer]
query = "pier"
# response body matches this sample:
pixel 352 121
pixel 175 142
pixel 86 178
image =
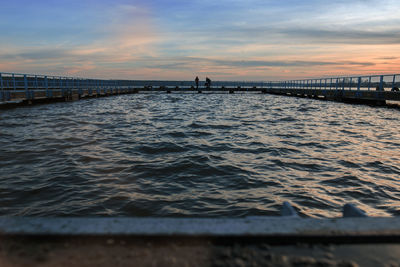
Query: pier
pixel 25 89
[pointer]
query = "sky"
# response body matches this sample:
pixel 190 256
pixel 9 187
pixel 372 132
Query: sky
pixel 256 40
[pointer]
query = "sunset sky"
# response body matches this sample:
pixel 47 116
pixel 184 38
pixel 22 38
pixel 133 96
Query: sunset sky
pixel 179 39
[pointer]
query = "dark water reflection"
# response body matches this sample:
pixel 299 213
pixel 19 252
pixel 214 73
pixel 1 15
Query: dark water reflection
pixel 198 155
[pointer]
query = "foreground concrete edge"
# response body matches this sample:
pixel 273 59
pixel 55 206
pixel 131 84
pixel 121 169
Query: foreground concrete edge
pixel 250 226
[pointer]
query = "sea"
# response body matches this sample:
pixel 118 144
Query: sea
pixel 198 155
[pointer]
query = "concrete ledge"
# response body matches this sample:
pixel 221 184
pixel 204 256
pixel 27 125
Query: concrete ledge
pixel 251 226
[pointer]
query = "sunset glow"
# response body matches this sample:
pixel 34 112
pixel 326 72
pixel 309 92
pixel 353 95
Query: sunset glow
pixel 177 40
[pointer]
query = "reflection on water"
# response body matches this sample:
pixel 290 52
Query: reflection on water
pixel 198 155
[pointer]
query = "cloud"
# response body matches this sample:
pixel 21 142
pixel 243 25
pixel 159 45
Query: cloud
pixel 38 54
pixel 386 58
pixel 285 63
pixel 175 39
pixel 290 34
pixel 344 36
pixel 182 62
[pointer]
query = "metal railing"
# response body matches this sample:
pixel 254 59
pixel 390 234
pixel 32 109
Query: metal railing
pixel 16 81
pixel 29 83
pixel 372 82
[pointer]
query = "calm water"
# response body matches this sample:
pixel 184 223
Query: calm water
pixel 208 155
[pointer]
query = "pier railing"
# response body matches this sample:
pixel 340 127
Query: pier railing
pixel 15 81
pixel 21 87
pixel 372 82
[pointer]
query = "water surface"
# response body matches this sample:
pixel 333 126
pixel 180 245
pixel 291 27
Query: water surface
pixel 208 155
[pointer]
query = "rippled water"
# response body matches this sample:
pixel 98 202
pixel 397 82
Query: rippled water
pixel 198 155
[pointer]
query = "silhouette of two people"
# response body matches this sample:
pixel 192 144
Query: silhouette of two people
pixel 207 84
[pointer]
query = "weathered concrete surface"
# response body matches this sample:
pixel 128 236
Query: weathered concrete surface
pixel 134 251
pixel 250 226
pixel 252 241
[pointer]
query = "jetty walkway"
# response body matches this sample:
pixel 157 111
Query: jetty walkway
pixel 24 89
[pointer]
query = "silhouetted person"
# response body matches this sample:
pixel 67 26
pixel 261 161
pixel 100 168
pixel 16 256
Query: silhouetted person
pixel 197 82
pixel 208 82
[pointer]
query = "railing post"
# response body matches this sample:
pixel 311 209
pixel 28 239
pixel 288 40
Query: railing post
pixel 351 81
pixel 381 83
pixel 369 83
pixel 359 83
pixel 46 85
pixel 343 84
pixel 2 89
pixel 13 79
pixel 91 86
pixel 25 86
pixel 393 83
pixel 60 85
pixel 65 86
pixel 78 84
